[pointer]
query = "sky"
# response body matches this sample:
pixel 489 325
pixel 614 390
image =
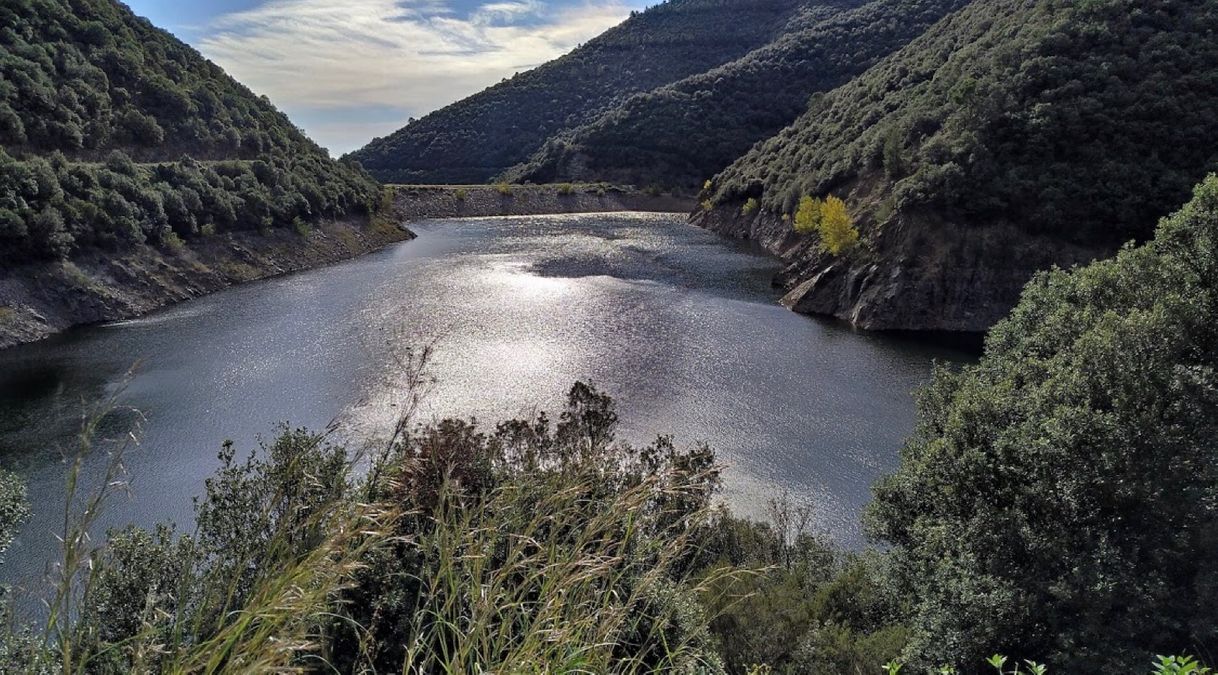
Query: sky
pixel 347 71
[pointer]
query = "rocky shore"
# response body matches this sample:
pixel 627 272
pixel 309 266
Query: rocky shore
pixel 40 299
pixel 914 275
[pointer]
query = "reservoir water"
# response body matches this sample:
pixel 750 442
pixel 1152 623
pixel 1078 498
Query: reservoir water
pixel 679 325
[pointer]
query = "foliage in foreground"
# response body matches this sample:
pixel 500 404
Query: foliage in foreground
pixel 457 551
pixel 537 547
pixel 1058 500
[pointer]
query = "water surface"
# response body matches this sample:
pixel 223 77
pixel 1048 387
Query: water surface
pixel 680 326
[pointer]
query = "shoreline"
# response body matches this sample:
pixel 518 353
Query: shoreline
pixel 421 202
pixel 43 299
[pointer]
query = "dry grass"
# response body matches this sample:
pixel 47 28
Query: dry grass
pixel 541 578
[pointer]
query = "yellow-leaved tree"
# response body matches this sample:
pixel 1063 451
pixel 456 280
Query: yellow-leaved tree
pixel 837 231
pixel 807 218
pixel 830 219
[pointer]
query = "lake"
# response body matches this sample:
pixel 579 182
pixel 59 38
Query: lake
pixel 682 327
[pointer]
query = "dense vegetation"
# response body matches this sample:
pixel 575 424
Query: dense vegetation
pixel 1086 120
pixel 87 89
pixel 1058 499
pixel 481 136
pixel 678 135
pixel 1056 503
pixel 536 547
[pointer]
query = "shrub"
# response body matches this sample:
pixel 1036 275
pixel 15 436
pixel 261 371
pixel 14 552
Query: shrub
pixel 461 194
pixel 566 189
pixel 172 241
pixel 1055 497
pixel 504 189
pixel 13 506
pixel 456 550
pixel 750 206
pixel 831 220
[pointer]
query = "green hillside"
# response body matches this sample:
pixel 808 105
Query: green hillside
pixel 1082 120
pixel 114 133
pixel 481 136
pixel 679 135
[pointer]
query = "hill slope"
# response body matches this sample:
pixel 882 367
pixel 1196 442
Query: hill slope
pixel 1014 135
pixel 87 82
pixel 135 173
pixel 680 134
pixel 481 136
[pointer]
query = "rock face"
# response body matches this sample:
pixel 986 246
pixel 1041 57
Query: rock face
pixel 38 300
pixel 918 274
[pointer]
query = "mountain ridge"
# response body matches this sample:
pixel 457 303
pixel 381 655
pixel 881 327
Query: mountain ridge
pixel 483 135
pixel 680 134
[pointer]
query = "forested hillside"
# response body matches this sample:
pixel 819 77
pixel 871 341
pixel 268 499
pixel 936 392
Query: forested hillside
pixel 1075 123
pixel 477 138
pixel 113 133
pixel 679 135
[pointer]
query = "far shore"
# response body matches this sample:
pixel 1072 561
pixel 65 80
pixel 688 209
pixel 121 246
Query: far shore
pixel 419 202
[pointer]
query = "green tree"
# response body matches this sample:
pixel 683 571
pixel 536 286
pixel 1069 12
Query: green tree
pixel 1056 499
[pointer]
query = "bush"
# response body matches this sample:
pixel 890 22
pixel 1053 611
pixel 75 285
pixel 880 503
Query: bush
pixel 458 549
pixel 1054 498
pixel 831 220
pixel 13 508
pixel 172 241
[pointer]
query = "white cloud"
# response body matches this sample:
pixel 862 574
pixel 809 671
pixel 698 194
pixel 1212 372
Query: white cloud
pixel 412 56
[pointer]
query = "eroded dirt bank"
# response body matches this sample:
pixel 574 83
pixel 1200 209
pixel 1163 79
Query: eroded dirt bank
pixel 40 299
